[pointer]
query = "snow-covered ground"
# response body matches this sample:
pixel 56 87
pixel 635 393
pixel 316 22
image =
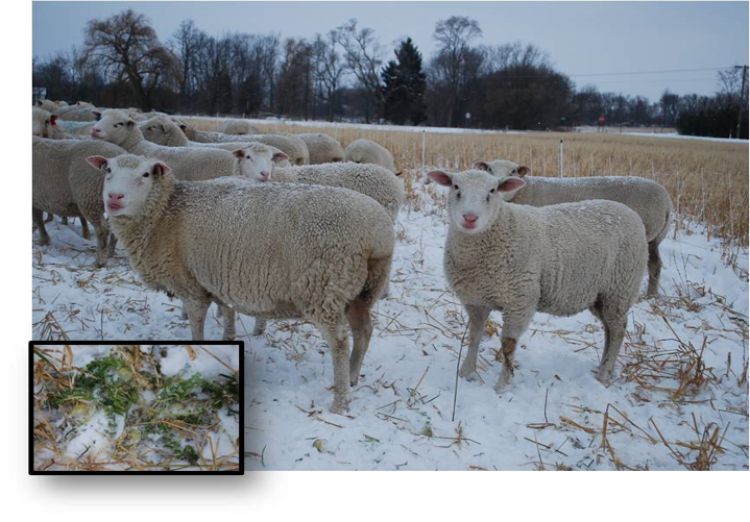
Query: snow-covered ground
pixel 681 398
pixel 86 438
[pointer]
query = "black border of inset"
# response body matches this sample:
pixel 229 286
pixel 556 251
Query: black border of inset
pixel 239 471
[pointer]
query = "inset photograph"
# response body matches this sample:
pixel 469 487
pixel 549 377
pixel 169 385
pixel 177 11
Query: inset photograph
pixel 136 408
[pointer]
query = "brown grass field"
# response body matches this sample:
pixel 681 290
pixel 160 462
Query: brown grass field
pixel 708 180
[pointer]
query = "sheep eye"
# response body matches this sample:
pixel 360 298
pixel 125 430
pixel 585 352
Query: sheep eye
pixel 455 187
pixel 458 195
pixel 248 157
pixel 109 169
pixel 145 174
pixel 492 191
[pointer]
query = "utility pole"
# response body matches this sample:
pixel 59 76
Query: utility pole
pixel 742 99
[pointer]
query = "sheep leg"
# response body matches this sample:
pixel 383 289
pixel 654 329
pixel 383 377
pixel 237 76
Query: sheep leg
pixel 477 317
pixel 101 243
pixel 49 218
pixel 84 228
pixel 614 332
pixel 196 311
pixel 111 244
pixel 337 339
pixel 361 325
pixel 260 326
pixel 515 323
pixel 654 269
pixel 65 220
pixel 229 322
pixel 38 218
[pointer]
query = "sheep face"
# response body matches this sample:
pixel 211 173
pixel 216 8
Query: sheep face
pixel 502 168
pixel 127 182
pixel 257 162
pixel 43 123
pixel 476 197
pixel 113 126
pixel 155 130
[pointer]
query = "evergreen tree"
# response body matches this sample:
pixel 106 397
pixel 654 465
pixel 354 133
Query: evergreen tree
pixel 404 85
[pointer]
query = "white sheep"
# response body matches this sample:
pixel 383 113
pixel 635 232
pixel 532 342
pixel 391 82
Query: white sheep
pixel 322 148
pixel 63 183
pixel 186 136
pixel 47 105
pixel 318 253
pixel 558 259
pixel 45 125
pixel 235 126
pixel 370 180
pixel 647 198
pixel 163 130
pixel 367 151
pixel 188 163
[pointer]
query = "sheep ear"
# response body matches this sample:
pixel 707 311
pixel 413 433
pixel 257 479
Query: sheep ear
pixel 440 177
pixel 482 165
pixel 399 173
pixel 509 185
pixel 159 169
pixel 183 126
pixel 239 153
pixel 523 170
pixel 98 162
pixel 53 119
pixel 278 157
pixel 97 115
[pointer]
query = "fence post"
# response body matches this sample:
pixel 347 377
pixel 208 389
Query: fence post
pixel 561 159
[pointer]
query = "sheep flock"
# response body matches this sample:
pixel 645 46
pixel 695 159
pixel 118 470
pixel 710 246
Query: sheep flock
pixel 497 319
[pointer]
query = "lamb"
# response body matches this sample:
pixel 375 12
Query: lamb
pixel 185 135
pixel 322 148
pixel 367 151
pixel 63 183
pixel 47 105
pixel 44 124
pixel 188 163
pixel 163 130
pixel 648 198
pixel 319 253
pixel 558 259
pixel 233 126
pixel 370 180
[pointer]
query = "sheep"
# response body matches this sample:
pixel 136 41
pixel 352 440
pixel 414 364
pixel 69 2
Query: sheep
pixel 647 198
pixel 163 130
pixel 558 259
pixel 47 105
pixel 322 148
pixel 188 163
pixel 63 183
pixel 370 180
pixel 44 124
pixel 318 253
pixel 81 111
pixel 168 135
pixel 367 151
pixel 238 127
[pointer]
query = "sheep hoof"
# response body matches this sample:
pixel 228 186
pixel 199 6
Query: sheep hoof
pixel 604 377
pixel 340 405
pixel 468 371
pixel 101 263
pixel 353 379
pixel 503 382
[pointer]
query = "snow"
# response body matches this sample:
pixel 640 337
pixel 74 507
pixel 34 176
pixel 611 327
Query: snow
pixel 401 416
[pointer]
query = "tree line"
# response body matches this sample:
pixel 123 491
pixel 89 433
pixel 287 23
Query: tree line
pixel 346 75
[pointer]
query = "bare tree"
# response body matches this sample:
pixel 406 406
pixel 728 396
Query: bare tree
pixel 364 56
pixel 126 47
pixel 456 61
pixel 329 71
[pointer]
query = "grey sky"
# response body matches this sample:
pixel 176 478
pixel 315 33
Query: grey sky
pixel 581 38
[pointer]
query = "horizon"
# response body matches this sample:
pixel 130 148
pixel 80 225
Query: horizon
pixel 655 46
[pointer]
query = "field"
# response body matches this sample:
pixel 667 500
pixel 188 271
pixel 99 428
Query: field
pixel 681 398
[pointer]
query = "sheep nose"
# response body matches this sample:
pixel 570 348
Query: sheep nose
pixel 470 217
pixel 264 175
pixel 114 196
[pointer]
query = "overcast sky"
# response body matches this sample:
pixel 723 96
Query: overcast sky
pixel 585 40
